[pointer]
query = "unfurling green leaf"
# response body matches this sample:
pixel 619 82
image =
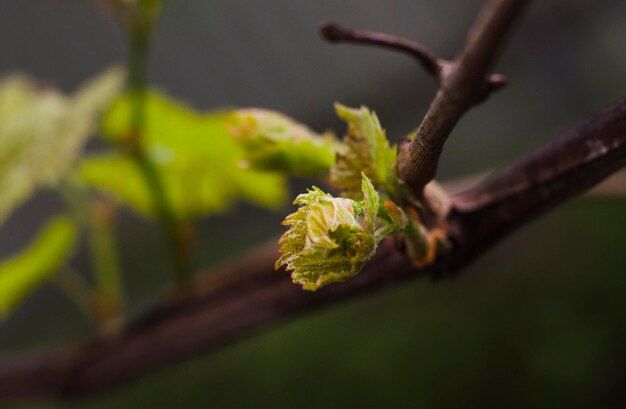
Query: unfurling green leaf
pixel 43 131
pixel 371 203
pixel 195 155
pixel 367 150
pixel 23 272
pixel 330 238
pixel 274 142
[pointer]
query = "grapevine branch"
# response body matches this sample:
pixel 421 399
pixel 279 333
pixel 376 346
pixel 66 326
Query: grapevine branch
pixel 249 295
pixel 613 187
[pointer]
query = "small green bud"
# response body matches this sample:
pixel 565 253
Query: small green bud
pixel 329 238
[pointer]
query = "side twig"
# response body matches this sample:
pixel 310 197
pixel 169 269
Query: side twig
pixel 336 33
pixel 462 86
pixel 434 65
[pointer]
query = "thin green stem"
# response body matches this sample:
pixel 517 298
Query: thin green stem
pixel 76 289
pixel 105 258
pixel 96 216
pixel 139 35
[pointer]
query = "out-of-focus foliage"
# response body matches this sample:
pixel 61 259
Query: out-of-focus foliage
pixel 42 131
pixel 140 14
pixel 147 5
pixel 273 141
pixel 196 158
pixel 330 238
pixel 367 150
pixel 24 271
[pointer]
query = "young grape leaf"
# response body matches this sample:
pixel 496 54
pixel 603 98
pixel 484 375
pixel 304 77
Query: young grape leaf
pixel 43 131
pixel 329 239
pixel 273 141
pixel 195 155
pixel 23 272
pixel 367 150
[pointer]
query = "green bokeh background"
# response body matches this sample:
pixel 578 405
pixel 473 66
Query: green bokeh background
pixel 538 322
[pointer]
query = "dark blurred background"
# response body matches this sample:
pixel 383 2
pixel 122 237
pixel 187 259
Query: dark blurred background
pixel 538 322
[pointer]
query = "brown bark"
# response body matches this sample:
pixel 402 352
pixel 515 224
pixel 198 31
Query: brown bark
pixel 464 83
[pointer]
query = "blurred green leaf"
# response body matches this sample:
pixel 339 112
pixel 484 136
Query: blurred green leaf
pixel 43 131
pixel 273 141
pixel 367 150
pixel 119 175
pixel 23 272
pixel 195 155
pixel 148 5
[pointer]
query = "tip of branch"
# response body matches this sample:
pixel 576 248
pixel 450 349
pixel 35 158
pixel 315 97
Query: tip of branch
pixel 497 81
pixel 493 83
pixel 333 32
